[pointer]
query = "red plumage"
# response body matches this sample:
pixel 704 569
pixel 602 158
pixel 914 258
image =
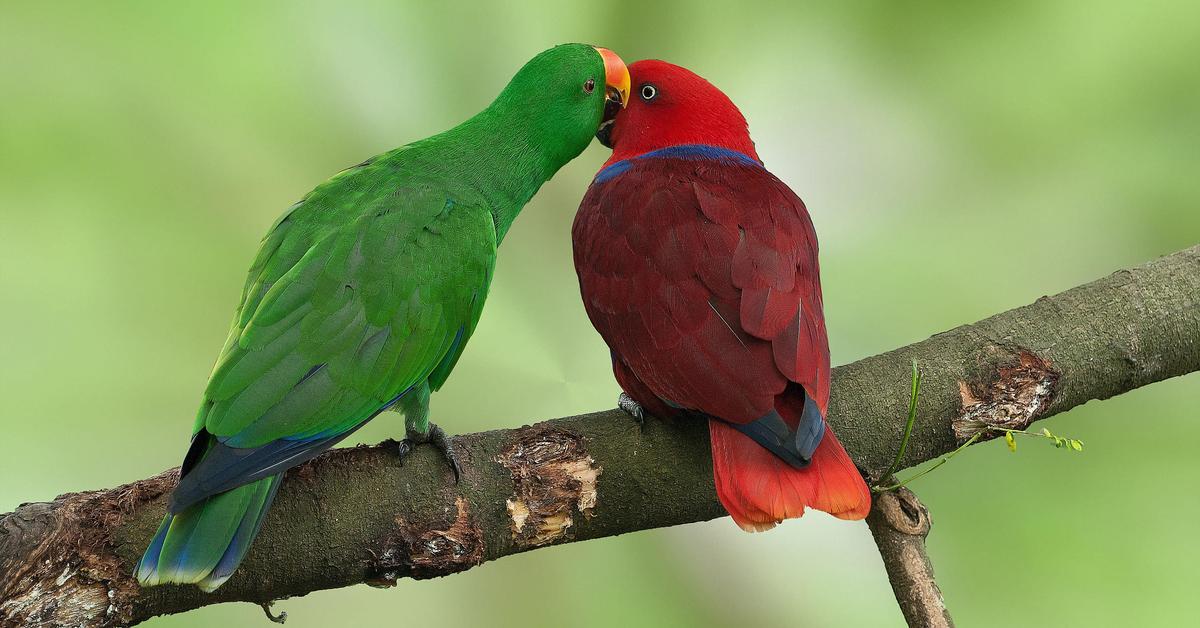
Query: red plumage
pixel 699 269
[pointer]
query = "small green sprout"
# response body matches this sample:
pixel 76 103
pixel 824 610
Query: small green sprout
pixel 1060 442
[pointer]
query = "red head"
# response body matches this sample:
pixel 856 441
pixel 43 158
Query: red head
pixel 670 106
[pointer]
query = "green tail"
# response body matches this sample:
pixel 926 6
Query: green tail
pixel 204 543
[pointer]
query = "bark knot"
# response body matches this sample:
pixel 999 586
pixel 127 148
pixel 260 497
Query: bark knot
pixel 553 477
pixel 903 512
pixel 1018 394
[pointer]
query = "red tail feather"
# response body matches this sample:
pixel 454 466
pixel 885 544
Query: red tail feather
pixel 759 490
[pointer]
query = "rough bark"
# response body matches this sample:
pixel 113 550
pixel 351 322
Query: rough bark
pixel 354 515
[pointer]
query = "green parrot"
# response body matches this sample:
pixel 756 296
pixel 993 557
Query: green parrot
pixel 362 298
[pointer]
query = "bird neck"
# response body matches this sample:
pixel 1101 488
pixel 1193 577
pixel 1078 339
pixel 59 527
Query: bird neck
pixel 504 157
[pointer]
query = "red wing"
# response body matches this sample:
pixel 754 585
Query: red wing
pixel 702 277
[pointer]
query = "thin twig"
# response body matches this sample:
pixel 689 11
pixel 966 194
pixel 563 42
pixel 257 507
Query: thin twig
pixel 281 618
pixel 941 461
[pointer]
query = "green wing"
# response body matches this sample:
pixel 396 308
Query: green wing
pixel 363 291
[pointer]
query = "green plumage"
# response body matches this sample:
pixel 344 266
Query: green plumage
pixel 364 295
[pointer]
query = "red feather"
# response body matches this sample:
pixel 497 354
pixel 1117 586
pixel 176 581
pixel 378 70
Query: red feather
pixel 702 277
pixel 709 295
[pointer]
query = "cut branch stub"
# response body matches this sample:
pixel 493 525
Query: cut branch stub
pixel 1017 394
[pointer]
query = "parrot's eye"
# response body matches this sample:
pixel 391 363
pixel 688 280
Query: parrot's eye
pixel 589 86
pixel 649 92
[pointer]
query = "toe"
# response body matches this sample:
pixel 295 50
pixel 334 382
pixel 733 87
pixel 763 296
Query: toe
pixel 404 448
pixel 632 408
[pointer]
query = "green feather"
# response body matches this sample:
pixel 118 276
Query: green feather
pixel 369 287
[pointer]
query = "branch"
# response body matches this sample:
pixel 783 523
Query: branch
pixel 899 523
pixel 354 515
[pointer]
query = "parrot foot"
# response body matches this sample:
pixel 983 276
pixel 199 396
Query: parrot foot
pixel 632 408
pixel 437 437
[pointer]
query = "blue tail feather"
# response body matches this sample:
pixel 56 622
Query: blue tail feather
pixel 204 543
pixel 247 530
pixel 148 567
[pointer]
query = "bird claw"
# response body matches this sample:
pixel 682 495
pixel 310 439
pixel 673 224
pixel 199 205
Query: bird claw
pixel 404 449
pixel 632 408
pixel 444 443
pixel 437 437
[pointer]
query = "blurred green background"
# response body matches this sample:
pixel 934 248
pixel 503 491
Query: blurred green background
pixel 958 160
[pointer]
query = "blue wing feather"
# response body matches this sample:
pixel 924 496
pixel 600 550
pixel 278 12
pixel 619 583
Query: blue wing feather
pixel 224 467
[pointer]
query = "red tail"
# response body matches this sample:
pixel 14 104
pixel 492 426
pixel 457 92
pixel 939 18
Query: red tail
pixel 759 490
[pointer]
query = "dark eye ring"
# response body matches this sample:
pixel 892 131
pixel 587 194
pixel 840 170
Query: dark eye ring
pixel 649 92
pixel 589 86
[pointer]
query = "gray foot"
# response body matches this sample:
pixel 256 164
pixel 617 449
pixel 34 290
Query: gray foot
pixel 632 408
pixel 437 437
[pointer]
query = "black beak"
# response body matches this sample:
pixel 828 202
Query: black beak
pixel 612 106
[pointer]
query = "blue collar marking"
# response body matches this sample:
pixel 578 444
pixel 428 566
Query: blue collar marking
pixel 683 151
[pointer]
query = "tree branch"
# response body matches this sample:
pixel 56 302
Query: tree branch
pixel 354 515
pixel 899 523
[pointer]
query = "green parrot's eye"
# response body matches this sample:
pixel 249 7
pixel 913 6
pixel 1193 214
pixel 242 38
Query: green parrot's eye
pixel 649 92
pixel 589 86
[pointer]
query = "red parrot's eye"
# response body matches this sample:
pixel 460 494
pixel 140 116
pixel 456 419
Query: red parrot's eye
pixel 589 86
pixel 649 92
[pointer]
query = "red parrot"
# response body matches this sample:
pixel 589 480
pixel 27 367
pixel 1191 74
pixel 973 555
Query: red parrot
pixel 699 269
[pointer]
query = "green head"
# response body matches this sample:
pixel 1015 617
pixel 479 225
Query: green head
pixel 561 97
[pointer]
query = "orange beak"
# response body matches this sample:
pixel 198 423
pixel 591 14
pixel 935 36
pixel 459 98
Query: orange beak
pixel 616 75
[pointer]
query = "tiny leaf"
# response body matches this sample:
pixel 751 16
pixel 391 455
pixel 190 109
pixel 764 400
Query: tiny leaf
pixel 1012 442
